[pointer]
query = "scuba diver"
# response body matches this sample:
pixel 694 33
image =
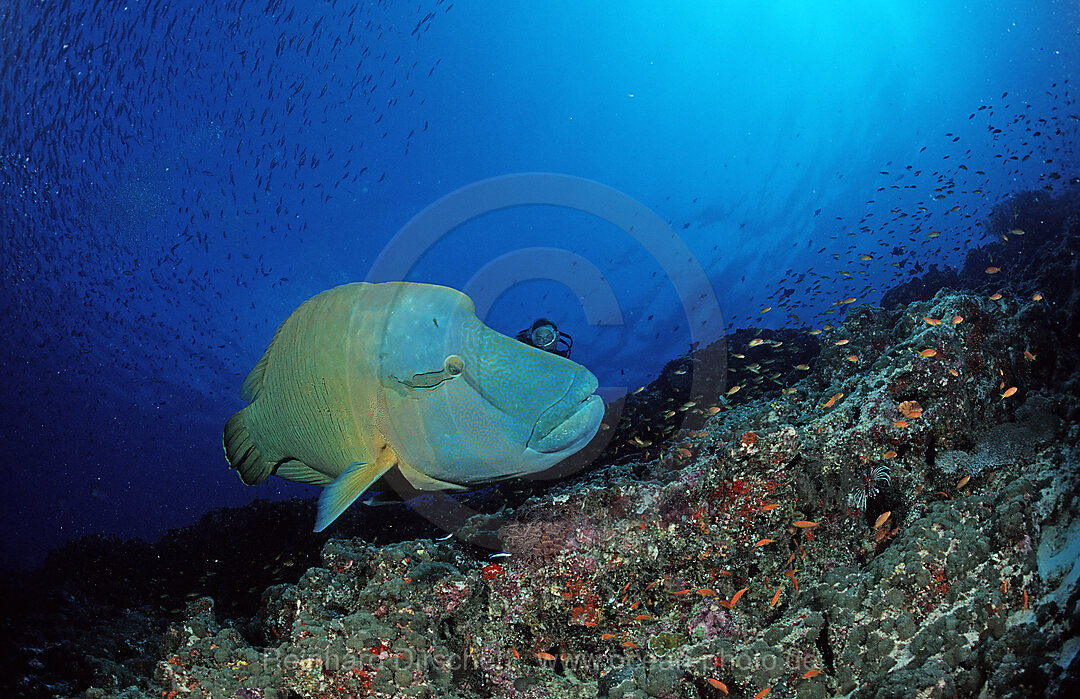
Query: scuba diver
pixel 544 334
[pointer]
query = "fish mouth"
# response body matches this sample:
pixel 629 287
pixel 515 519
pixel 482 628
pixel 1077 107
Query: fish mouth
pixel 570 422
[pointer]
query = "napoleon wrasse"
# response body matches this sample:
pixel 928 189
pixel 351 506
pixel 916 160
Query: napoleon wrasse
pixel 365 378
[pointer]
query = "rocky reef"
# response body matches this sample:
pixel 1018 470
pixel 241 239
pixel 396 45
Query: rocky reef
pixel 890 512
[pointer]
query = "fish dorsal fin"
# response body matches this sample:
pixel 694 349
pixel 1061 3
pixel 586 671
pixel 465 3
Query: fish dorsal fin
pixel 253 383
pixel 346 488
pixel 249 390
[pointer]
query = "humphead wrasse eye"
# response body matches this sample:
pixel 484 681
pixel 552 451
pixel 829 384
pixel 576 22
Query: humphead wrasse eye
pixel 452 366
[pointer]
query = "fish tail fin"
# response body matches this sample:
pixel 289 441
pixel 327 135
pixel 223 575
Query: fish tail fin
pixel 242 453
pixel 346 488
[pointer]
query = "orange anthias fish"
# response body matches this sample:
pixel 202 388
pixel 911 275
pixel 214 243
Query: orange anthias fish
pixel 884 517
pixel 957 320
pixel 1009 392
pixel 832 401
pixel 889 454
pixel 932 321
pixel 928 353
pixel 804 524
pixel 993 270
pixel 776 596
pixel 995 297
pixel 811 673
pixel 719 685
pixel 764 542
pixel 735 598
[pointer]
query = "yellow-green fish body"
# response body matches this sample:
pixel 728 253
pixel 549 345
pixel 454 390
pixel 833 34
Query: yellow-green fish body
pixel 368 377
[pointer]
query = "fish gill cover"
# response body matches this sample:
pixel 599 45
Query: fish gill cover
pixel 863 472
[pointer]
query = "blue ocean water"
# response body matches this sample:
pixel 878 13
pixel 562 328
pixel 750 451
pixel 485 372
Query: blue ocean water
pixel 176 179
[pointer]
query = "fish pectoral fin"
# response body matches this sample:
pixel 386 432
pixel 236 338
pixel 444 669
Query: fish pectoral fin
pixel 346 488
pixel 422 481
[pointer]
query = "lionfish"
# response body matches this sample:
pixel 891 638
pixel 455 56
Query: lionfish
pixel 867 485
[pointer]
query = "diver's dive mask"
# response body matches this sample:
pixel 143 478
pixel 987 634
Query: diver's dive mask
pixel 544 334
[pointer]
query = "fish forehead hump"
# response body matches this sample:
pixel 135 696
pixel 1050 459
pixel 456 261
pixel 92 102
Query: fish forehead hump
pixel 418 326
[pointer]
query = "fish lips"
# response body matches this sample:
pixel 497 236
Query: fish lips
pixel 569 423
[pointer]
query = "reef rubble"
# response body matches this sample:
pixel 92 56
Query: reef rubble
pixel 900 524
